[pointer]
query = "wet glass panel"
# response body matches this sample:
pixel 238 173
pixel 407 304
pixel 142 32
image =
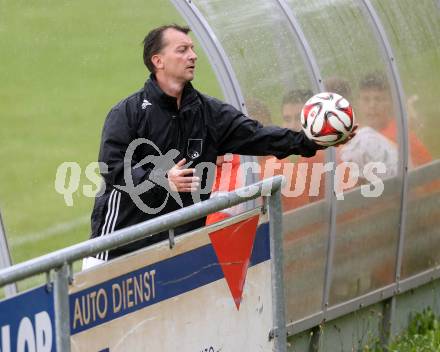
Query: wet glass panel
pixel 351 64
pixel 414 32
pixel 275 83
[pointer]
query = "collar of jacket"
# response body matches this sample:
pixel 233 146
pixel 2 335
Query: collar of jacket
pixel 156 94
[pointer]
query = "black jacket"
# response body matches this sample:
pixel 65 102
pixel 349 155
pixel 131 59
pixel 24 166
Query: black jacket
pixel 214 127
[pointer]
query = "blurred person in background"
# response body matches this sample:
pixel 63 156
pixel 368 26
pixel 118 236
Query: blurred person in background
pixel 302 188
pixel 377 140
pixel 292 104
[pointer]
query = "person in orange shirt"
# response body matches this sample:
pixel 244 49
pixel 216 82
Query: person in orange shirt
pixel 228 178
pixel 305 182
pixel 305 176
pixel 297 171
pixel 375 106
pixel 378 141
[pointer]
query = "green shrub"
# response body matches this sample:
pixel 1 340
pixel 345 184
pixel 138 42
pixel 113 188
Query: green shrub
pixel 422 335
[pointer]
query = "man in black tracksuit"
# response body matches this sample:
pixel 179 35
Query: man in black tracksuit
pixel 170 113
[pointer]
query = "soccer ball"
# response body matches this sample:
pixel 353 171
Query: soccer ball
pixel 327 118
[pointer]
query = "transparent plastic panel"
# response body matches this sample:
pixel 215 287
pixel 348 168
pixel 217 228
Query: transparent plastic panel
pixel 351 63
pixel 413 28
pixel 275 83
pixel 62 68
pixel 305 246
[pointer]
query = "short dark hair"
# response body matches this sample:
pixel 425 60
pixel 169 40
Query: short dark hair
pixel 258 111
pixel 153 42
pixel 297 96
pixel 375 80
pixel 339 86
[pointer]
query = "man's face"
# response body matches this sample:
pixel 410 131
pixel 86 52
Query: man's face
pixel 177 59
pixel 292 116
pixel 375 107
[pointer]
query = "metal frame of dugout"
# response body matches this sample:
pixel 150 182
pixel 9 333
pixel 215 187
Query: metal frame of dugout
pixel 230 84
pixel 232 91
pixel 60 262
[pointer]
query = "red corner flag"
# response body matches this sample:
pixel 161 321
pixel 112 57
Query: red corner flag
pixel 233 247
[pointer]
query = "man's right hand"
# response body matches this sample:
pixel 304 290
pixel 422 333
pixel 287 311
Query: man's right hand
pixel 182 180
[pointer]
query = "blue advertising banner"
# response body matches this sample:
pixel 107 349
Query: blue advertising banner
pixel 211 291
pixel 27 322
pixel 154 283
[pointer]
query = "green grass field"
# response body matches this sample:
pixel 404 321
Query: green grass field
pixel 64 64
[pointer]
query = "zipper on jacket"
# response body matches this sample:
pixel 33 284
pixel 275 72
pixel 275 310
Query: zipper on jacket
pixel 176 125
